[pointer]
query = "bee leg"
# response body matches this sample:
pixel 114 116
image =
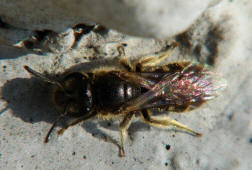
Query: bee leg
pixel 51 129
pixel 124 125
pixel 147 61
pixel 54 124
pixel 153 60
pixel 165 122
pixel 124 62
pixel 80 119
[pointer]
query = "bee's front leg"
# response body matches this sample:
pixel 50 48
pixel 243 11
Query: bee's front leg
pixel 78 120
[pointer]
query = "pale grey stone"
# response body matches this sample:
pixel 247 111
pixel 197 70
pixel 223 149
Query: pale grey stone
pixel 147 18
pixel 221 38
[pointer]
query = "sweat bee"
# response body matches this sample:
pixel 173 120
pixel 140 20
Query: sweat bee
pixel 139 88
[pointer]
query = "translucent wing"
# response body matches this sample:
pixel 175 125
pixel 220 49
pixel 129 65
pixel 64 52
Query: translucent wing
pixel 195 83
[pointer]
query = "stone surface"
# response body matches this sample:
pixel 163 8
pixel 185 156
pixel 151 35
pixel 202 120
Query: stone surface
pixel 220 38
pixel 160 19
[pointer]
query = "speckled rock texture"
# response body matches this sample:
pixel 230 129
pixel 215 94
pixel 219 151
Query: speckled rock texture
pixel 218 34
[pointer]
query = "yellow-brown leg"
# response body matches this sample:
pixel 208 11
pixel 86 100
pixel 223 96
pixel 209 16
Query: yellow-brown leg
pixel 80 119
pixel 149 61
pixel 155 60
pixel 124 125
pixel 125 62
pixel 165 122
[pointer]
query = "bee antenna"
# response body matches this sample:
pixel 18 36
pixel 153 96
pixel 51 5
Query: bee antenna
pixel 43 77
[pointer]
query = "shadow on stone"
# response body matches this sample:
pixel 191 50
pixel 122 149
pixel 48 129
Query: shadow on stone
pixel 30 99
pixel 9 52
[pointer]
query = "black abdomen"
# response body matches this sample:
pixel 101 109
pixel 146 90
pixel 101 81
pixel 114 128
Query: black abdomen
pixel 110 92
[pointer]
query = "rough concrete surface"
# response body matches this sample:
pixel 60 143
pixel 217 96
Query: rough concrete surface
pixel 220 37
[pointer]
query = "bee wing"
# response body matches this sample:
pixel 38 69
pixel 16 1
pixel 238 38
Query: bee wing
pixel 146 80
pixel 193 84
pixel 136 78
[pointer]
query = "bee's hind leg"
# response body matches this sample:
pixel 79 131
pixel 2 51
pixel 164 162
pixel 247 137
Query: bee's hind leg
pixel 125 63
pixel 124 125
pixel 154 60
pixel 165 122
pixel 148 61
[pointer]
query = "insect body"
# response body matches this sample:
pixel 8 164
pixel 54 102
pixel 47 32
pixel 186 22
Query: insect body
pixel 139 88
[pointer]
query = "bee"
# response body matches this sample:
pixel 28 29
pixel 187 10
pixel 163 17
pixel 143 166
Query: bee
pixel 140 87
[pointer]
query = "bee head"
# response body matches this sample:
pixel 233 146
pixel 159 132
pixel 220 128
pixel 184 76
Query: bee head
pixel 75 95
